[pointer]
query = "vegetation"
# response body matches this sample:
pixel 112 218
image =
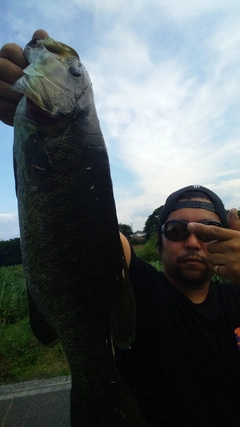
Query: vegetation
pixel 157 264
pixel 10 253
pixel 13 301
pixel 151 225
pixel 148 252
pixel 22 357
pixel 126 230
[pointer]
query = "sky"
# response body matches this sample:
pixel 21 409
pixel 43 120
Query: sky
pixel 166 80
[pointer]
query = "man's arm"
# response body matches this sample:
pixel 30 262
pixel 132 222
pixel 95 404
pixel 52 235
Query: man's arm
pixel 126 248
pixel 12 63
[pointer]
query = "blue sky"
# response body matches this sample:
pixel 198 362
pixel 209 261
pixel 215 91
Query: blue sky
pixel 166 78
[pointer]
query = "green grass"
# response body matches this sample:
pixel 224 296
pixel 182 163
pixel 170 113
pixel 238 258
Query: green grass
pixel 22 357
pixel 13 300
pixel 148 251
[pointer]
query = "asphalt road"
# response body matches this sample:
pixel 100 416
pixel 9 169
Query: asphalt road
pixel 36 403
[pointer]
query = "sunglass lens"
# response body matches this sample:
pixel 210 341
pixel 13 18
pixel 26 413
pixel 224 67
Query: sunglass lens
pixel 176 230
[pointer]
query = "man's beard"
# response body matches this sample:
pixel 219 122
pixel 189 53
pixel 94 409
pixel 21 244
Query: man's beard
pixel 191 277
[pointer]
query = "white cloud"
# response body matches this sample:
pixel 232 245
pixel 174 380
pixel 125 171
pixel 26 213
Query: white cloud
pixel 169 122
pixel 9 228
pixel 184 9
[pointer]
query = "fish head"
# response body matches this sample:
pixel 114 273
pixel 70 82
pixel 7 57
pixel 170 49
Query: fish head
pixel 55 80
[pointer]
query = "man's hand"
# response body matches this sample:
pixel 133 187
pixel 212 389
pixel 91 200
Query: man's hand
pixel 12 63
pixel 223 246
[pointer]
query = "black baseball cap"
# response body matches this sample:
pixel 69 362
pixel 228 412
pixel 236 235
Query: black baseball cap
pixel 172 204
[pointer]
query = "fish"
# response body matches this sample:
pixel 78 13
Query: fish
pixel 77 280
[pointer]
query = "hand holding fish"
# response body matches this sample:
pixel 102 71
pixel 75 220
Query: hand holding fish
pixel 12 63
pixel 223 246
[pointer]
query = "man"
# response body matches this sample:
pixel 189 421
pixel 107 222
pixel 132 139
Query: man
pixel 184 365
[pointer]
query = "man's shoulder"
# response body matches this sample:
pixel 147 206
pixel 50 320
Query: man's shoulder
pixel 145 278
pixel 226 290
pixel 224 285
pixel 144 269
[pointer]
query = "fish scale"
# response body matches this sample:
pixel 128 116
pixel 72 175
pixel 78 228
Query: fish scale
pixel 77 281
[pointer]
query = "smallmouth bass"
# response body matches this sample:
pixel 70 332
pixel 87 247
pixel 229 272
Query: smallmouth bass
pixel 77 280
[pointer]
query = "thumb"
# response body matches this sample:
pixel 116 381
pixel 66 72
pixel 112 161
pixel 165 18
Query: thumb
pixel 233 219
pixel 40 34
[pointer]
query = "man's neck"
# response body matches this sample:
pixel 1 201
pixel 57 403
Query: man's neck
pixel 197 294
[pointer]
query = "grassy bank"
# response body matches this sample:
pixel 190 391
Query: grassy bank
pixel 22 357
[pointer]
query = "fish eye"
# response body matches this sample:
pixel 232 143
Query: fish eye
pixel 34 41
pixel 75 71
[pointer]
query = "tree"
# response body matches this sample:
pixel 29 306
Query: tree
pixel 151 225
pixel 126 230
pixel 10 253
pixel 148 252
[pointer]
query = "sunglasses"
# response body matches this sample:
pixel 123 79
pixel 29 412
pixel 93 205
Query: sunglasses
pixel 176 230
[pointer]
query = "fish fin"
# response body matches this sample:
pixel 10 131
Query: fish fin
pixel 41 328
pixel 39 163
pixel 123 313
pixel 15 173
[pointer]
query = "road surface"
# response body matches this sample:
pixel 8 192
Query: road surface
pixel 36 403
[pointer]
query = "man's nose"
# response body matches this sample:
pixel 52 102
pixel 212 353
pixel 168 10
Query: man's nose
pixel 193 241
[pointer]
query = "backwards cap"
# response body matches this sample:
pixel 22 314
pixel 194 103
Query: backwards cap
pixel 172 204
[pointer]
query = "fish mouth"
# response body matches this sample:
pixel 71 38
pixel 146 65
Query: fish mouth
pixel 52 46
pixel 52 81
pixel 36 114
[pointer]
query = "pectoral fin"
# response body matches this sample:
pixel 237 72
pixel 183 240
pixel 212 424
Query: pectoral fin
pixel 41 328
pixel 122 316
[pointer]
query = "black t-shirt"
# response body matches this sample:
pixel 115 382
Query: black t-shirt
pixel 184 365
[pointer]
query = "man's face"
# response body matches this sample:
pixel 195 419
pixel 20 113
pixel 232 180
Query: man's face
pixel 184 261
